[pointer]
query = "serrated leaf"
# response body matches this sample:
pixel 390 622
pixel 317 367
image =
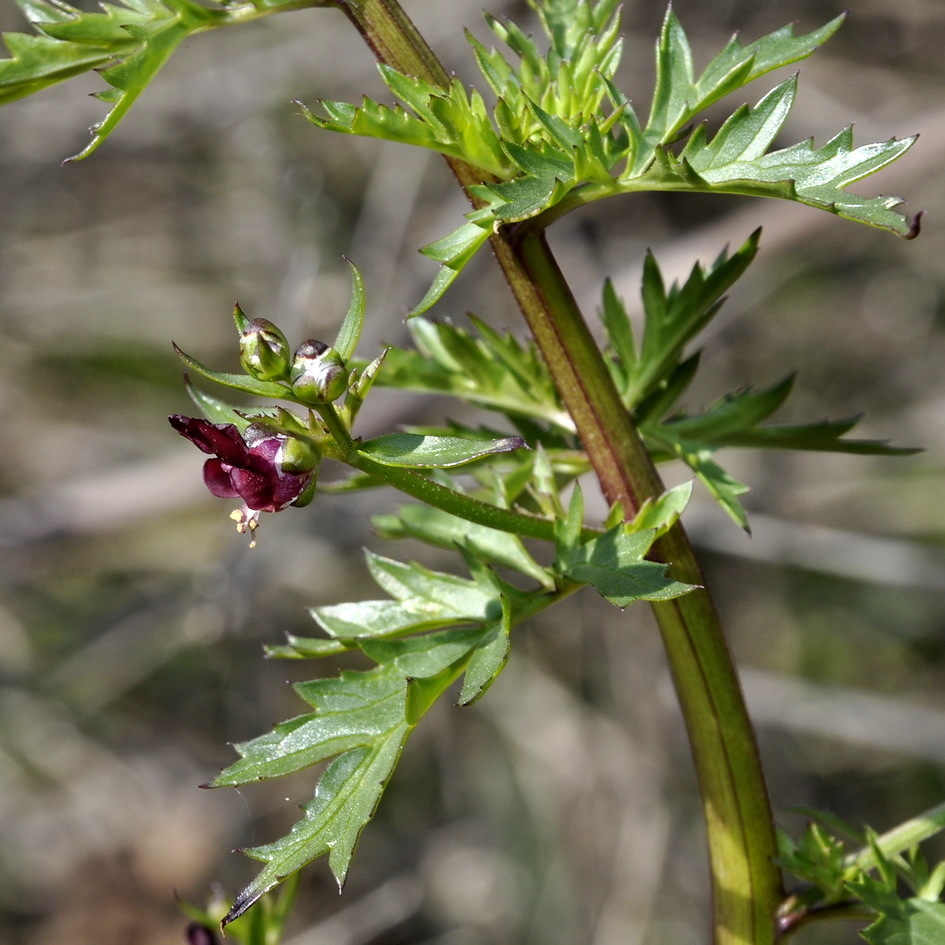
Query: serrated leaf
pixel 673 317
pixel 679 97
pixel 127 44
pixel 413 583
pixel 614 565
pixel 734 414
pixel 366 618
pixel 345 800
pixel 352 709
pixel 724 488
pixel 415 451
pixel 446 120
pixel 170 23
pixel 917 923
pixel 364 719
pixel 421 657
pixel 802 173
pixel 492 370
pixel 661 513
pixel 70 43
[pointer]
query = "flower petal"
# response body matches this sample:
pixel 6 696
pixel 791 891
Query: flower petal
pixel 220 439
pixel 217 478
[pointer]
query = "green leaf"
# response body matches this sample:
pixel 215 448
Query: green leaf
pixel 724 488
pixel 614 565
pixel 352 709
pixel 422 657
pixel 307 648
pixel 661 513
pixel 347 793
pixel 443 120
pixel 733 415
pixel 491 369
pixel 423 600
pixel 817 177
pixel 126 44
pixel 488 659
pixel 679 97
pixel 214 409
pixel 356 619
pixel 362 720
pixel 350 332
pixel 673 318
pixel 918 923
pixel 454 252
pixel 242 382
pixel 415 451
pixel 439 528
pixel 171 22
pixel 69 43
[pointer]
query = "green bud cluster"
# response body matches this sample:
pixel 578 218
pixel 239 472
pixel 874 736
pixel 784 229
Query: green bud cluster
pixel 316 371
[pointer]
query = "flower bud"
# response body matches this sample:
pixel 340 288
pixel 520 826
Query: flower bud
pixel 299 455
pixel 296 455
pixel 318 373
pixel 264 350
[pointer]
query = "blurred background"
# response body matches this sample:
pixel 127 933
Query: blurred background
pixel 561 809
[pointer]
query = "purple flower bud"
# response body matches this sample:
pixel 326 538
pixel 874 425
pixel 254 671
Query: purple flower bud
pixel 318 373
pixel 250 469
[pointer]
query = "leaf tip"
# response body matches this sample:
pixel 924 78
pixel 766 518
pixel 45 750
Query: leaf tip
pixel 915 226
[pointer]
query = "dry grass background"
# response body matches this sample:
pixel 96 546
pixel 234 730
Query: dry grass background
pixel 561 810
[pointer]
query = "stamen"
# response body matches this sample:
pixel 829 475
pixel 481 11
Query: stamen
pixel 246 521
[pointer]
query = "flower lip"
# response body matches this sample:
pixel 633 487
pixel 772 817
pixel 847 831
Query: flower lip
pixel 249 469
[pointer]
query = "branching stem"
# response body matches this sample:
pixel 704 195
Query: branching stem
pixel 746 883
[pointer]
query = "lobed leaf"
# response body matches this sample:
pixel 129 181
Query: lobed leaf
pixel 614 565
pixel 679 96
pixel 126 44
pixel 917 922
pixel 489 368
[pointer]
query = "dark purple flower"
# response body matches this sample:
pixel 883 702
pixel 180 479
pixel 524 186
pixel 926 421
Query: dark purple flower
pixel 249 469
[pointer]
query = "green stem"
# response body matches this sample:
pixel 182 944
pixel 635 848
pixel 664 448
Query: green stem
pixel 740 832
pixel 344 444
pixel 456 503
pixel 433 493
pixel 904 837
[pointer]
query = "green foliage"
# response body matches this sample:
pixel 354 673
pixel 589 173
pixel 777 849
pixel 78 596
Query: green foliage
pixel 433 628
pixel 126 44
pixel 414 450
pixel 488 368
pixel 915 922
pixel 887 882
pixel 652 369
pixel 561 134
